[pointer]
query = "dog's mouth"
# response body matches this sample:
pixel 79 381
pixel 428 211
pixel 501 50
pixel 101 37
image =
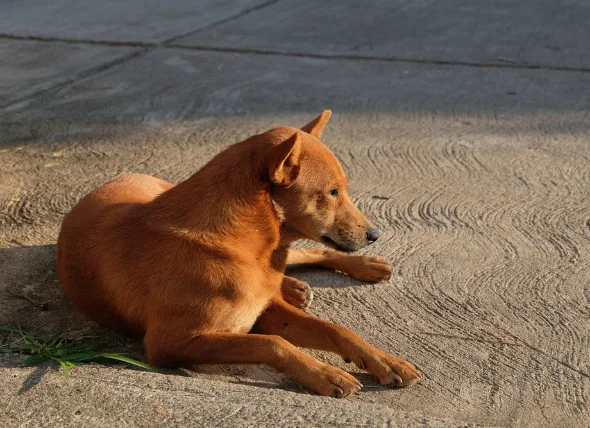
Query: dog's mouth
pixel 331 243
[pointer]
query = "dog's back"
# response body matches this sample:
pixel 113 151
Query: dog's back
pixel 94 240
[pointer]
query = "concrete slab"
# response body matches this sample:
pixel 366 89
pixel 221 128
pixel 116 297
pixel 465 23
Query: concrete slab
pixel 113 20
pixel 173 84
pixel 477 177
pixel 31 67
pixel 528 33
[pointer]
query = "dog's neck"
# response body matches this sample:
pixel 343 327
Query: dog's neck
pixel 226 197
pixel 289 235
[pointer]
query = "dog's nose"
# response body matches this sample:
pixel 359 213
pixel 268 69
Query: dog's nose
pixel 372 234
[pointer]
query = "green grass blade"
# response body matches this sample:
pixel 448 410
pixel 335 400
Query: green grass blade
pixel 57 348
pixel 65 367
pixel 10 330
pixel 35 359
pixel 119 357
pixel 29 347
pixel 82 356
pixel 55 340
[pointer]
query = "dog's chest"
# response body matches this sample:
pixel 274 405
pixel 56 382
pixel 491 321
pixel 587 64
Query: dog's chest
pixel 250 302
pixel 245 316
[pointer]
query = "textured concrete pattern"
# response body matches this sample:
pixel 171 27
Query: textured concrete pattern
pixel 478 177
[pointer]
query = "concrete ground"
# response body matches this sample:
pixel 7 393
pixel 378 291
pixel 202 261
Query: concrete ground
pixel 464 128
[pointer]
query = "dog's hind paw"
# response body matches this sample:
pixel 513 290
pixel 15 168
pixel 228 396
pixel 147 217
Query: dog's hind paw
pixel 296 292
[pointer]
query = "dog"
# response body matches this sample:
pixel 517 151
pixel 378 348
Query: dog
pixel 197 270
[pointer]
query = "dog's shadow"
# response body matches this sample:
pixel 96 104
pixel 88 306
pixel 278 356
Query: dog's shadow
pixel 34 300
pixel 318 277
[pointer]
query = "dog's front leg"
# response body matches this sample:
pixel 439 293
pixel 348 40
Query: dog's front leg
pixel 302 329
pixel 296 292
pixel 363 268
pixel 171 346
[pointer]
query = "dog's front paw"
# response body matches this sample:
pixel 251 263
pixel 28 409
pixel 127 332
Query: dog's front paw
pixel 296 292
pixel 369 269
pixel 388 369
pixel 332 382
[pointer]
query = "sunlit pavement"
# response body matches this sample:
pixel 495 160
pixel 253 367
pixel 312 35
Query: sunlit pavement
pixel 463 127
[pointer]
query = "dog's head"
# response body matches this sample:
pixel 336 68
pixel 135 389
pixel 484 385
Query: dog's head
pixel 309 189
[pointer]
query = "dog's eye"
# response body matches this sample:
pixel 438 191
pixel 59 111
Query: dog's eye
pixel 334 192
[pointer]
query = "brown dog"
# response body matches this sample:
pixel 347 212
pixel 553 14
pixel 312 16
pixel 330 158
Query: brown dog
pixel 197 269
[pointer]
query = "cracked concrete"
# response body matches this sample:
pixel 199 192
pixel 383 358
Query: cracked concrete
pixel 463 129
pixel 112 20
pixel 32 70
pixel 529 33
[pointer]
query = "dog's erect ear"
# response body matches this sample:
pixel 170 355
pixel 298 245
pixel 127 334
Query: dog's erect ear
pixel 316 126
pixel 283 161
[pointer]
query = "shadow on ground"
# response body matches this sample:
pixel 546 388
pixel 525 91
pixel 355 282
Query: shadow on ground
pixel 322 278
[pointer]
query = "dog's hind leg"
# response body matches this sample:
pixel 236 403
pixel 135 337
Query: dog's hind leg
pixel 302 329
pixel 167 346
pixel 363 268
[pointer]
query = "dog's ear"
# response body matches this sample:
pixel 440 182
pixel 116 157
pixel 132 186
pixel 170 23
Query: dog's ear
pixel 283 161
pixel 316 126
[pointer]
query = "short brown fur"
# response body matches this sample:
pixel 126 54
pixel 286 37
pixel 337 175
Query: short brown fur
pixel 197 270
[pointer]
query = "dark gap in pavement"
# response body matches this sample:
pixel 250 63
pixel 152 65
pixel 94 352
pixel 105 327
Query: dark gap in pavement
pixel 268 52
